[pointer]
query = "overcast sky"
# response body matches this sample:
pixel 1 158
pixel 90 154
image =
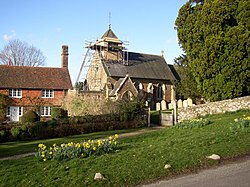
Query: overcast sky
pixel 148 25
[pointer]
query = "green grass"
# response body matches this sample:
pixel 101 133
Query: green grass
pixel 141 158
pixel 20 147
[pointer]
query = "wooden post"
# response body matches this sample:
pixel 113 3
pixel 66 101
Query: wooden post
pixel 149 116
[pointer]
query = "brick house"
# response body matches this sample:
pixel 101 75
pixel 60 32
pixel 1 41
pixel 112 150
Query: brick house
pixel 120 73
pixel 37 88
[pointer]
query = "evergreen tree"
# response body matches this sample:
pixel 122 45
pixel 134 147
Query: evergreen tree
pixel 215 35
pixel 186 87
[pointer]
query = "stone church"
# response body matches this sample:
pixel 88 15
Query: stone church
pixel 119 74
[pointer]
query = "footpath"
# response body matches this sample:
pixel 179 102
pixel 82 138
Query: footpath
pixel 123 135
pixel 232 174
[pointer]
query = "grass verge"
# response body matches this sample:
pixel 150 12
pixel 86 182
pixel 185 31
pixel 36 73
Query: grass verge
pixel 141 159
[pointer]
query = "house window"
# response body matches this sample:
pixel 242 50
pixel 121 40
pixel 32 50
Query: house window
pixel 8 111
pixel 47 93
pixel 15 93
pixel 20 111
pixel 45 111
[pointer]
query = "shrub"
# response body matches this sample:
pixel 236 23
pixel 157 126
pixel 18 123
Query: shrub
pixel 58 113
pixel 2 135
pixel 30 116
pixel 131 109
pixel 38 129
pixel 4 101
pixel 16 132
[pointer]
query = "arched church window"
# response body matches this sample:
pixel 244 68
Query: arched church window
pixel 128 95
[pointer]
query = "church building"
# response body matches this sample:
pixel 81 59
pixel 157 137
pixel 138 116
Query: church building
pixel 120 74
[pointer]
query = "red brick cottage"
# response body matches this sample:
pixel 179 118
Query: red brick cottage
pixel 37 88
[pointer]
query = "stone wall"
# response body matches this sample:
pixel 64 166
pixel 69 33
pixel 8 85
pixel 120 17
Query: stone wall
pixel 214 108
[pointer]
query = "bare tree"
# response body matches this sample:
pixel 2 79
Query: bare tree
pixel 18 53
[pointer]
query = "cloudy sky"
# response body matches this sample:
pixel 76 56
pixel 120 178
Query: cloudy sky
pixel 148 25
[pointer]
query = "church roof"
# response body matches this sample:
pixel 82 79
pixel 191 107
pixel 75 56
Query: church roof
pixel 142 66
pixel 109 34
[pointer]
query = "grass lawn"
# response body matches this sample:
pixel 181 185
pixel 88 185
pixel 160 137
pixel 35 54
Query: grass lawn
pixel 20 147
pixel 140 159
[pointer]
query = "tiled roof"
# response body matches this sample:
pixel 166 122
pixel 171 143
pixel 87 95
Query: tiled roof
pixel 140 65
pixel 34 77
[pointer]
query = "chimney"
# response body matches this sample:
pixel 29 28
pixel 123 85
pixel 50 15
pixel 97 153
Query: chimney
pixel 64 55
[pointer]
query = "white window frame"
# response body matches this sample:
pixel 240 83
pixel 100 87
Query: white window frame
pixel 47 93
pixel 45 111
pixel 15 92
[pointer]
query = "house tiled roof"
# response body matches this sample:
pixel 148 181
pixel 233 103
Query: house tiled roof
pixel 34 77
pixel 140 65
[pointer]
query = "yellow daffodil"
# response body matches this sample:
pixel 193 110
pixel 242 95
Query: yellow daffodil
pixel 78 145
pixel 44 159
pixel 50 153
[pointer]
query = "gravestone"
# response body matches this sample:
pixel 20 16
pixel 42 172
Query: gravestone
pixel 158 106
pixel 190 102
pixel 170 106
pixel 163 105
pixel 179 103
pixel 185 104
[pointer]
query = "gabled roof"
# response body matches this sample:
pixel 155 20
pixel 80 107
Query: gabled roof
pixel 174 71
pixel 140 65
pixel 27 77
pixel 109 34
pixel 118 85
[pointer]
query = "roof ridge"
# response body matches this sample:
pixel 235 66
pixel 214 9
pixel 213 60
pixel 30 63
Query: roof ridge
pixel 12 66
pixel 146 54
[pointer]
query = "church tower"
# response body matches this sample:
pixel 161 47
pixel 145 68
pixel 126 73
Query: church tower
pixel 109 47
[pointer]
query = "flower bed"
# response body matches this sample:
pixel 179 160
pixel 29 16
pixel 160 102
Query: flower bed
pixel 77 150
pixel 193 123
pixel 242 123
